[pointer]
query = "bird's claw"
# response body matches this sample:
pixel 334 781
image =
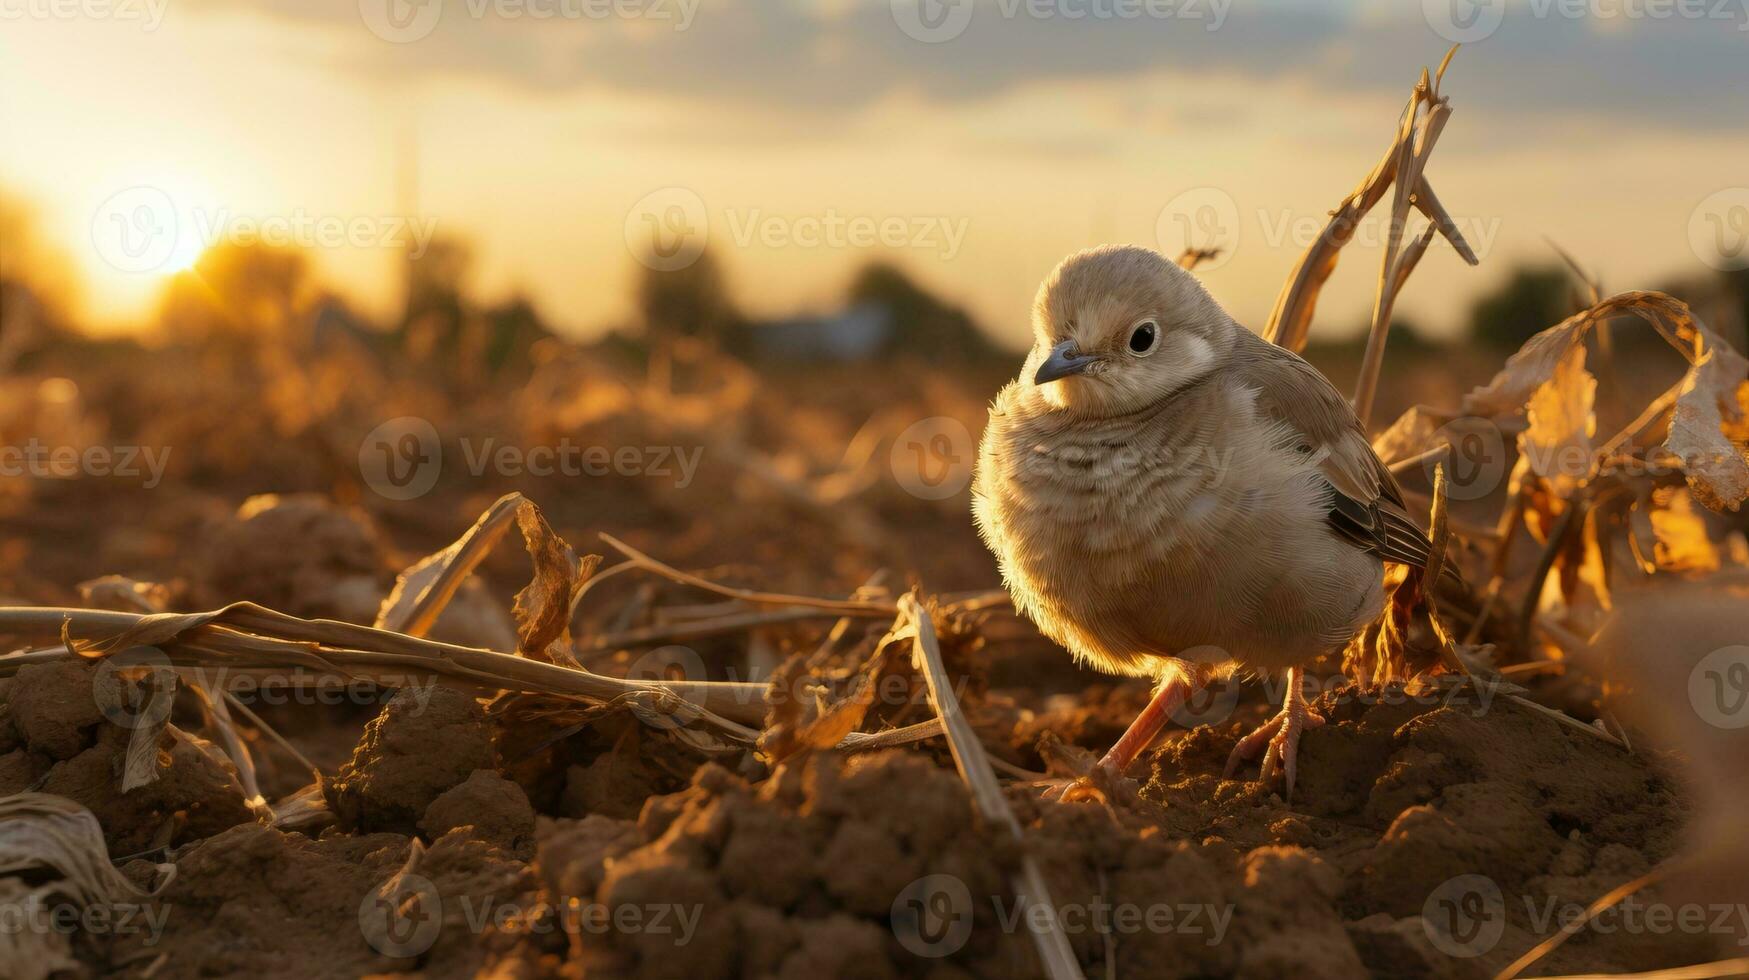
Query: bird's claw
pixel 1280 736
pixel 1100 784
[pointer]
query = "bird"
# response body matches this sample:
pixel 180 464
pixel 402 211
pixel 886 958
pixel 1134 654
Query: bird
pixel 1169 495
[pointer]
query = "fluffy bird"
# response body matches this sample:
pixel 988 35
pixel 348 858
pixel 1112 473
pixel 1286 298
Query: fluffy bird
pixel 1171 496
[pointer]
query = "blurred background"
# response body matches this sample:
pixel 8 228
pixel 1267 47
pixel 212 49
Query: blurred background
pixel 735 279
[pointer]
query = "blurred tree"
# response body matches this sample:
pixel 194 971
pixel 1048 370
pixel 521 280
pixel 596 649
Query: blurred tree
pixel 33 284
pixel 689 302
pixel 240 293
pixel 922 324
pixel 442 325
pixel 1532 299
pixel 435 300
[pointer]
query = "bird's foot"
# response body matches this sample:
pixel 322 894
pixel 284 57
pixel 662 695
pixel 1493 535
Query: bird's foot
pixel 1281 736
pixel 1100 784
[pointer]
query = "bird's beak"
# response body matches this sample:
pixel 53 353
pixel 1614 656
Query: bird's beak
pixel 1064 361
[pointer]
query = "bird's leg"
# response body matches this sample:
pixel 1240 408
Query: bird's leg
pixel 1173 691
pixel 1281 734
pixel 1147 724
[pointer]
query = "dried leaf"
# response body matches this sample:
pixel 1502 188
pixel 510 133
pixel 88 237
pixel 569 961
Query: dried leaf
pixel 1557 440
pixel 33 954
pixel 142 760
pixel 1530 368
pixel 41 832
pixel 543 607
pixel 1709 427
pixel 1412 434
pixel 46 836
pixel 123 594
pixel 1682 542
pixel 424 589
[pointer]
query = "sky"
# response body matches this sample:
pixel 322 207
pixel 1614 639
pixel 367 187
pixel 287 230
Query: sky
pixel 973 142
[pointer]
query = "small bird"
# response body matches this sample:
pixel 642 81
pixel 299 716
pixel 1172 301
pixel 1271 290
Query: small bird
pixel 1171 496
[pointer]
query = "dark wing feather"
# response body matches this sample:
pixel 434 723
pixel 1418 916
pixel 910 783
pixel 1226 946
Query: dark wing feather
pixel 1366 504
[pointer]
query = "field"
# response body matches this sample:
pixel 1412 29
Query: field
pixel 651 657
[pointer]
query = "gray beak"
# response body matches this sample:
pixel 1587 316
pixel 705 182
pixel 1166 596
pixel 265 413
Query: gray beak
pixel 1064 361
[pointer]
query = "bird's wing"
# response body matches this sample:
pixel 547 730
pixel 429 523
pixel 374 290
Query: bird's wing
pixel 1367 504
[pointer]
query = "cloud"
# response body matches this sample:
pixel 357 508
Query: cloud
pixel 817 60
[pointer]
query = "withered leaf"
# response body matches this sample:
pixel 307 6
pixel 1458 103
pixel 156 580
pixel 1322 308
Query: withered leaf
pixel 543 607
pixel 426 587
pixel 1557 440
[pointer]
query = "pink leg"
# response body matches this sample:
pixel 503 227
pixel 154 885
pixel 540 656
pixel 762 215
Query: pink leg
pixel 1147 724
pixel 1281 734
pixel 1110 768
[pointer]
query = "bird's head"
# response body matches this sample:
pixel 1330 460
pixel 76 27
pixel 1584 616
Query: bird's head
pixel 1117 328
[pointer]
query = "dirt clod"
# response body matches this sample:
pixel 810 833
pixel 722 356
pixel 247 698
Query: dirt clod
pixel 426 741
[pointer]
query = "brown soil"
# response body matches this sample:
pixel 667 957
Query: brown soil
pixel 810 870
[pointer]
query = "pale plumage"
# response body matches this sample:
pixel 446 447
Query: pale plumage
pixel 1171 496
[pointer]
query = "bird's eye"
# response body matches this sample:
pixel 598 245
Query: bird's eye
pixel 1144 337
